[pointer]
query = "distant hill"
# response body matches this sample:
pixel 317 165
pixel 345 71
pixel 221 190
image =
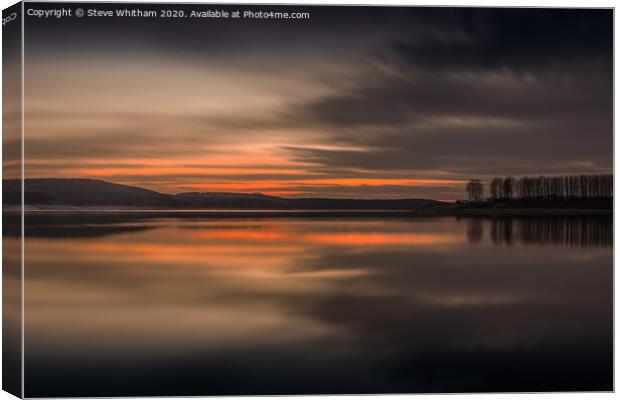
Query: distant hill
pixel 97 193
pixel 359 204
pixel 83 193
pixel 233 201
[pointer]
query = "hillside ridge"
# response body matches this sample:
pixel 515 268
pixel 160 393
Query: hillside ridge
pixel 83 192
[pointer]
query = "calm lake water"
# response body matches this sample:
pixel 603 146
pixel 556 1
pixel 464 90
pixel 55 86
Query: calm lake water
pixel 146 304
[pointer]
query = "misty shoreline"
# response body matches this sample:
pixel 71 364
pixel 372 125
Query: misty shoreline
pixel 95 196
pixel 437 211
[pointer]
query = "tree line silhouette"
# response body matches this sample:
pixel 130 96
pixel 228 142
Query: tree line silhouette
pixel 567 187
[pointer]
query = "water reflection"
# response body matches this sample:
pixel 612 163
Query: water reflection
pixel 547 231
pixel 475 230
pixel 11 311
pixel 185 305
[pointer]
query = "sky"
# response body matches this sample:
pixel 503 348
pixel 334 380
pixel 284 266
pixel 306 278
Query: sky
pixel 357 102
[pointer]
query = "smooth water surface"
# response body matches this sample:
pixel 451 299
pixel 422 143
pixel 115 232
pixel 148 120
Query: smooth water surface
pixel 141 304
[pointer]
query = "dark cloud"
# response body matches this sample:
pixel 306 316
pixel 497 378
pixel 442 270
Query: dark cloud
pixel 409 95
pixel 513 38
pixel 522 91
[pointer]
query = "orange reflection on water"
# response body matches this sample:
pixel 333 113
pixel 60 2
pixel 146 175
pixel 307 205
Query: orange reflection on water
pixel 378 238
pixel 332 238
pixel 241 234
pixel 229 254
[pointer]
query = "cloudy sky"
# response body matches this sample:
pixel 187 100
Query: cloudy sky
pixel 353 102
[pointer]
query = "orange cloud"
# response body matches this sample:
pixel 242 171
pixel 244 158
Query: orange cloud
pixel 272 184
pixel 162 171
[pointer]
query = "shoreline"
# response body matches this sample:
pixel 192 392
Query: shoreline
pixel 439 211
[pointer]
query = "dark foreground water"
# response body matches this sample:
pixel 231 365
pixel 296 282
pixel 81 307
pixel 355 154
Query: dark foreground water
pixel 144 304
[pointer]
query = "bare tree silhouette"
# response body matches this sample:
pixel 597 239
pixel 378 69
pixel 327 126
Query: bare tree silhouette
pixel 496 188
pixel 551 187
pixel 475 190
pixel 509 184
